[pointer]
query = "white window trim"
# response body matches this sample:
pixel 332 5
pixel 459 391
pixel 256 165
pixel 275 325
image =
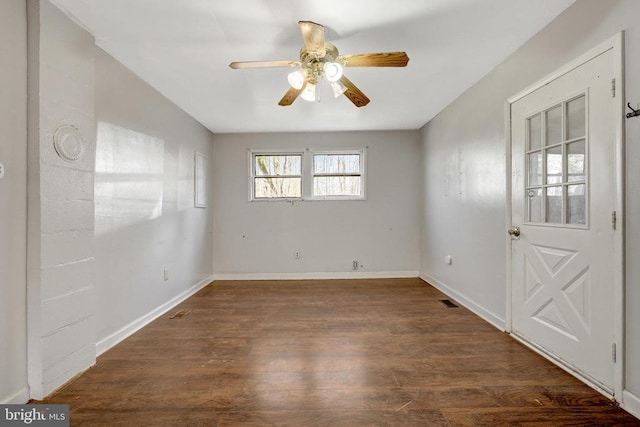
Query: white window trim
pixel 362 152
pixel 307 173
pixel 252 173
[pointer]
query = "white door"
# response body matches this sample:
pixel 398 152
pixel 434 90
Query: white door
pixel 563 198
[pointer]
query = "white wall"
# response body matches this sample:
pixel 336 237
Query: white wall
pixel 145 219
pixel 464 166
pixel 95 272
pixel 260 238
pixel 61 336
pixel 464 163
pixel 13 201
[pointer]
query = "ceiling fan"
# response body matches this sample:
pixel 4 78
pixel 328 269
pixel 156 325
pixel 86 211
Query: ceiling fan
pixel 318 60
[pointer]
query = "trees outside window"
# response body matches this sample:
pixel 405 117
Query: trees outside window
pixel 312 175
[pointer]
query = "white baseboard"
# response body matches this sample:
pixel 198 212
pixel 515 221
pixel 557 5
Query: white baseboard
pixel 113 339
pixel 19 397
pixel 496 321
pixel 311 276
pixel 631 403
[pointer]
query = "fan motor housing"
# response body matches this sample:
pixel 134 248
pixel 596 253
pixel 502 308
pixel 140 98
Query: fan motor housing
pixel 331 53
pixel 314 63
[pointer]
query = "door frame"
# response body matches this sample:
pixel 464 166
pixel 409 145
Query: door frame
pixel 616 45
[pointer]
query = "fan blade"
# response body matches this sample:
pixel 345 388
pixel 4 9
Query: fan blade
pixel 263 64
pixel 313 35
pixel 382 59
pixel 354 94
pixel 291 95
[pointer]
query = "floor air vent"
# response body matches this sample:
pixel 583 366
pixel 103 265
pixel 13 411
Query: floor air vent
pixel 448 303
pixel 180 314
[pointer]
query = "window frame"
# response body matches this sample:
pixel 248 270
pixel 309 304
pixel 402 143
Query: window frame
pixel 306 173
pixel 252 174
pixel 565 183
pixel 361 152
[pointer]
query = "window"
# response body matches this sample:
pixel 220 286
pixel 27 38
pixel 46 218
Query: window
pixel 337 175
pixel 312 175
pixel 277 176
pixel 556 191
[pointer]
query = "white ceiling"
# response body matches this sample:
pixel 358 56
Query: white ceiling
pixel 183 49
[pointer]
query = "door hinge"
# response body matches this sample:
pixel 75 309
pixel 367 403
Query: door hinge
pixel 613 352
pixel 614 219
pixel 613 88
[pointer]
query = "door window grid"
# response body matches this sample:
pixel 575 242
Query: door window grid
pixel 556 159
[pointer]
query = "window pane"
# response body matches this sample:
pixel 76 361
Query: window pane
pixel 534 196
pixel 576 204
pixel 278 165
pixel 535 168
pixel 554 125
pixel 535 132
pixel 266 188
pixel 575 161
pixel 336 163
pixel 554 165
pixel 554 205
pixel 336 186
pixel 576 118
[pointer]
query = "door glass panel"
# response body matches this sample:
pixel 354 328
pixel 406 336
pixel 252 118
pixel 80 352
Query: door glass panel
pixel 534 205
pixel 554 165
pixel 535 132
pixel 553 204
pixel 576 204
pixel 535 168
pixel 575 161
pixel 554 125
pixel 576 118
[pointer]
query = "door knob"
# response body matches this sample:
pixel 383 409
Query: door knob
pixel 514 231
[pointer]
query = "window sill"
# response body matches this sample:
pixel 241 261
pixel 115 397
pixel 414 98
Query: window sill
pixel 312 199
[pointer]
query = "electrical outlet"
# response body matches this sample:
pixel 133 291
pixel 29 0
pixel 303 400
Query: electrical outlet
pixel 355 265
pixel 166 275
pixel 296 255
pixel 1 171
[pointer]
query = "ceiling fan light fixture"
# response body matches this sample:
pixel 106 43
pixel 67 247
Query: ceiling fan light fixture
pixel 321 61
pixel 296 79
pixel 338 88
pixel 332 71
pixel 309 92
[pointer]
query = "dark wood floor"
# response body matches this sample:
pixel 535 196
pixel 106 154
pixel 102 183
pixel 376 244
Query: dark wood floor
pixel 330 353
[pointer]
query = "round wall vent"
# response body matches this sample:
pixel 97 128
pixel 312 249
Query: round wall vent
pixel 68 142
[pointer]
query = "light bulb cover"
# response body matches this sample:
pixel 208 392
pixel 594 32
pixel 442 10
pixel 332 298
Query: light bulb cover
pixel 332 71
pixel 309 92
pixel 338 88
pixel 296 79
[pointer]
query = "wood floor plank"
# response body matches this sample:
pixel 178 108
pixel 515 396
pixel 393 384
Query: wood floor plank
pixel 327 352
pixel 570 416
pixel 371 417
